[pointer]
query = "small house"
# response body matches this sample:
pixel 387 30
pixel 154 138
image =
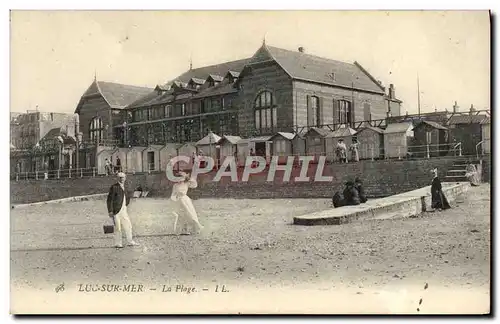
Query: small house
pixel 260 145
pixel 102 156
pixel 120 154
pixel 209 146
pixel 229 147
pixel 134 160
pixel 283 144
pixel 347 134
pixel 188 150
pixel 485 135
pixel 151 158
pixel 397 137
pixel 315 139
pixel 467 130
pixel 430 140
pixel 167 153
pixel 371 142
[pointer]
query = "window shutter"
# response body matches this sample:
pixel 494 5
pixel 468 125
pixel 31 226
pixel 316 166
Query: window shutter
pixel 310 117
pixel 335 111
pixel 321 115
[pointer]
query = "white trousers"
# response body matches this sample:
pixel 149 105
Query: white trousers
pixel 186 218
pixel 122 221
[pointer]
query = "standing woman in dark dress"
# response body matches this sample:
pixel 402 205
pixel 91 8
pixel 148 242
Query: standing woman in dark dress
pixel 439 200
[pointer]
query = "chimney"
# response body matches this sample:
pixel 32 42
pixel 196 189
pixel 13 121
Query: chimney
pixel 301 49
pixel 455 107
pixel 392 92
pixel 472 110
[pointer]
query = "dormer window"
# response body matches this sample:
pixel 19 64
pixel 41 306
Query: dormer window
pixel 232 76
pixel 214 80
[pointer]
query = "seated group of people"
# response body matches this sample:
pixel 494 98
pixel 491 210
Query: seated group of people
pixel 352 195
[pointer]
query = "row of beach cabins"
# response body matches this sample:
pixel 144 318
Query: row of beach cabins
pixel 373 143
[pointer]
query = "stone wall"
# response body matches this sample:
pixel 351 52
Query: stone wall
pixel 381 178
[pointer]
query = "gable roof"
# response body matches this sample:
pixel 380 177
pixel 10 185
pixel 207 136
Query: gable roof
pixel 342 132
pixel 319 131
pixel 145 100
pixel 117 95
pixel 211 138
pixel 398 128
pixel 288 136
pixel 368 127
pixel 306 67
pixel 432 124
pixel 466 119
pixel 231 139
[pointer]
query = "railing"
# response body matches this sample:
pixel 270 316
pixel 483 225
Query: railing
pixel 366 152
pixel 55 174
pixel 477 145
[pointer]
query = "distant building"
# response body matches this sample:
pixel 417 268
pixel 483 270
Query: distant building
pixel 28 128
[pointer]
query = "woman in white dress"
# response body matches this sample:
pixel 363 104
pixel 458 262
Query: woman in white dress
pixel 185 214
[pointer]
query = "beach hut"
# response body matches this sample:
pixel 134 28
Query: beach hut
pixel 284 145
pixel 209 146
pixel 485 135
pixel 315 139
pixel 167 152
pixel 188 150
pixel 121 154
pixel 134 159
pixel 151 158
pixel 229 147
pixel 371 143
pixel 101 159
pixel 397 137
pixel 347 134
pixel 261 146
pixel 430 139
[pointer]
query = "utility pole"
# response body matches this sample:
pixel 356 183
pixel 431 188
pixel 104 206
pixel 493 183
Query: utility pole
pixel 418 89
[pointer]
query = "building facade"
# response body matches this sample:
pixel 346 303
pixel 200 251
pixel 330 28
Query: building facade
pixel 29 128
pixel 275 90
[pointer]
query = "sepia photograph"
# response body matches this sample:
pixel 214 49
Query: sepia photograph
pixel 250 162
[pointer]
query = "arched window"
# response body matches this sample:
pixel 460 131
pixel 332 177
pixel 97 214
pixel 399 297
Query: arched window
pixel 266 118
pixel 96 131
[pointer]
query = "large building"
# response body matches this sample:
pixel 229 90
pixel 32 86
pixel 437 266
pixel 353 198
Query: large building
pixel 274 90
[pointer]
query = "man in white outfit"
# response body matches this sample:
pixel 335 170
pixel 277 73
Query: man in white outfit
pixel 117 202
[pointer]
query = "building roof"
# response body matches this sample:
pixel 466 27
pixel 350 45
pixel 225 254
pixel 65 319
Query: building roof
pixel 204 72
pixel 216 77
pixel 306 67
pixel 211 138
pixel 487 120
pixel 466 119
pixel 342 132
pixel 288 136
pixel 231 139
pixel 58 131
pixel 145 100
pixel 398 128
pixel 432 124
pixel 223 88
pixel 319 131
pixel 117 95
pixel 375 129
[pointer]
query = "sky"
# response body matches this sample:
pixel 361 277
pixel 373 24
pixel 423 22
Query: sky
pixel 55 54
